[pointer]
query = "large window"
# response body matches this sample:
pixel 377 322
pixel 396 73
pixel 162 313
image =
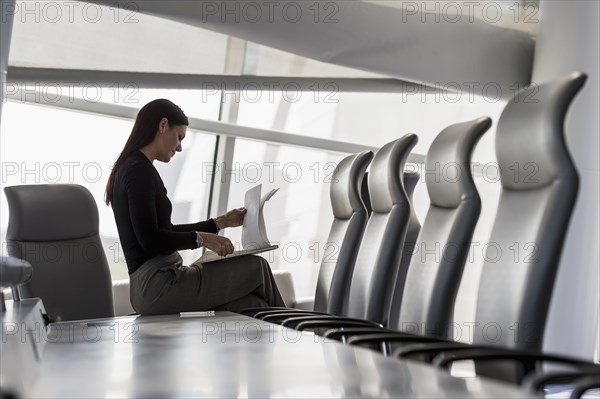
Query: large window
pixel 371 119
pixel 41 145
pixel 299 216
pixel 83 35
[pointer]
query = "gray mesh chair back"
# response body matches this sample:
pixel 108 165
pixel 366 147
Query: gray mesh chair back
pixel 378 259
pixel 441 250
pixel 539 188
pixel 55 228
pixel 350 218
pixel 412 232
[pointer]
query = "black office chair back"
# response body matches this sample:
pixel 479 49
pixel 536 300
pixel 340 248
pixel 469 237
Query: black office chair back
pixel 341 248
pixel 378 259
pixel 55 228
pixel 539 188
pixel 441 251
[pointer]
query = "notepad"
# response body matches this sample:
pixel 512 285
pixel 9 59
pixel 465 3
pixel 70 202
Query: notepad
pixel 254 231
pixel 211 256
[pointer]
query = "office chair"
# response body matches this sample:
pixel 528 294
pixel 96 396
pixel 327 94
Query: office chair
pixel 380 253
pixel 534 209
pixel 433 279
pixel 410 182
pixel 55 228
pixel 350 216
pixel 350 219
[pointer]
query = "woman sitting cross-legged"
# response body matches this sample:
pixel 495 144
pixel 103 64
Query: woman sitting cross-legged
pixel 159 282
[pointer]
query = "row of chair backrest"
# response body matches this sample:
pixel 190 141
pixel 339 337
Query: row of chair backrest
pixel 533 212
pixel 376 290
pixel 531 223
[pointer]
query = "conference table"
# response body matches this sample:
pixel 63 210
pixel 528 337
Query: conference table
pixel 226 355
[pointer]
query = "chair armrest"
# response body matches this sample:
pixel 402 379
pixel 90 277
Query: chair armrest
pixel 583 385
pixel 431 349
pixel 295 321
pixel 285 285
pixel 446 358
pixel 278 316
pixel 121 298
pixel 536 382
pixel 305 303
pixel 345 333
pixel 335 322
pixel 14 271
pixel 252 311
pixel 388 337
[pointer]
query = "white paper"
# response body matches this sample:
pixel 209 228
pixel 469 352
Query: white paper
pixel 254 232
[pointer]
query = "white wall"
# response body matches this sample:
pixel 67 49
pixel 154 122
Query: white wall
pixel 568 41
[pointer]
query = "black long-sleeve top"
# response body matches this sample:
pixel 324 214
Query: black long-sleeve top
pixel 143 214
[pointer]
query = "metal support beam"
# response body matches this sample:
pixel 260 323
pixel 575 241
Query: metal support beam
pixel 228 82
pixel 213 127
pixel 234 64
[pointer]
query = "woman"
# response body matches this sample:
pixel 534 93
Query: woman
pixel 159 282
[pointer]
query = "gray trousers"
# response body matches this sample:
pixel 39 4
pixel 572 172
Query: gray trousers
pixel 163 285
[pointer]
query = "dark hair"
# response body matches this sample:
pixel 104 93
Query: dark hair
pixel 143 132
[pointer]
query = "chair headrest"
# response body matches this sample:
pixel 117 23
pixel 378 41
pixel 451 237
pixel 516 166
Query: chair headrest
pixel 386 186
pixel 50 212
pixel 345 191
pixel 447 167
pixel 530 143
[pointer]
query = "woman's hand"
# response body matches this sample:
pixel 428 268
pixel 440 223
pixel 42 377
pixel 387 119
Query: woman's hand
pixel 233 218
pixel 221 245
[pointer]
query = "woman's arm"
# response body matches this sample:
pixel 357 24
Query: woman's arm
pixel 233 218
pixel 208 226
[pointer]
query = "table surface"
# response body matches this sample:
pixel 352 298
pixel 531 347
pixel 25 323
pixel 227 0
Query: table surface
pixel 229 355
